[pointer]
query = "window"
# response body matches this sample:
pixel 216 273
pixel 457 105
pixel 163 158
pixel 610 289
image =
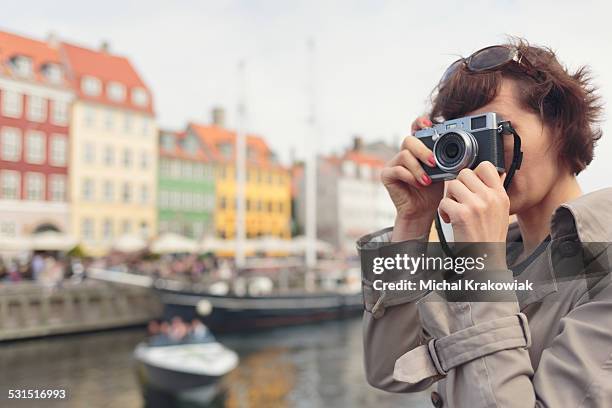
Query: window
pixel 226 150
pixel 144 194
pixel 164 167
pixel 109 193
pixel 107 229
pixel 22 66
pixel 127 193
pixel 115 91
pixel 9 182
pixel 58 187
pixel 87 228
pixel 186 170
pixel 11 144
pixel 126 226
pixel 145 127
pixel 37 108
pixel 53 73
pixel 8 228
pixel 127 123
pixel 109 120
pixel 11 104
pixel 35 147
pixel 35 186
pixel 168 142
pixel 144 160
pixel 89 153
pixel 90 117
pixel 140 97
pixel 109 156
pixel 144 229
pixel 59 112
pixel 164 199
pixel 88 189
pixel 198 171
pixel 91 86
pixel 127 158
pixel 175 200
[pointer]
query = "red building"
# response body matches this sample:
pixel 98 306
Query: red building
pixel 35 100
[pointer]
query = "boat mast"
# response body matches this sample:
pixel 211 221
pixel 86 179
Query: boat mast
pixel 239 253
pixel 311 165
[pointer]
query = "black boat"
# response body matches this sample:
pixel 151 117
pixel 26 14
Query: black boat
pixel 230 312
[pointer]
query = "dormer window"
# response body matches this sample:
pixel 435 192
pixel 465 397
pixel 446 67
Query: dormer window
pixel 191 145
pixel 167 141
pixel 53 73
pixel 140 97
pixel 91 86
pixel 115 91
pixel 22 66
pixel 226 150
pixel 349 168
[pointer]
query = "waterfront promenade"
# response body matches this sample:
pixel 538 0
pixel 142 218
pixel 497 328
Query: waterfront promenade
pixel 28 309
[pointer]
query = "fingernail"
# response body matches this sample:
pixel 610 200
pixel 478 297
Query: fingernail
pixel 432 160
pixel 425 180
pixel 428 122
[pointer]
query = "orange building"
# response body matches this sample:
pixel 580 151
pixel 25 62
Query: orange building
pixel 268 184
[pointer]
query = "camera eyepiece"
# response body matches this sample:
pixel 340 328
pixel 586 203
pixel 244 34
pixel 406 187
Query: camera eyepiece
pixel 455 150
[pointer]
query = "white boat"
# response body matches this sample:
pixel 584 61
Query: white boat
pixel 179 368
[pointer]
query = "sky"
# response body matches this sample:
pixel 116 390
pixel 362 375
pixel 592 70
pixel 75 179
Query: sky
pixel 373 66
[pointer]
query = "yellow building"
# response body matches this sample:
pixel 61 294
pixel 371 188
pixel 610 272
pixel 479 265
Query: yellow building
pixel 113 157
pixel 268 189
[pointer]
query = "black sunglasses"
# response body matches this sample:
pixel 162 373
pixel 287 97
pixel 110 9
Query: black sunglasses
pixel 492 58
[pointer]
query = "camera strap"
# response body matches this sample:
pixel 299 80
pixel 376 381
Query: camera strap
pixel 517 158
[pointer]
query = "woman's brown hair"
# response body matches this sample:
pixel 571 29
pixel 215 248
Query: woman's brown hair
pixel 567 102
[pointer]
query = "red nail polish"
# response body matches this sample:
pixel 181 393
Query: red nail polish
pixel 426 180
pixel 428 122
pixel 432 160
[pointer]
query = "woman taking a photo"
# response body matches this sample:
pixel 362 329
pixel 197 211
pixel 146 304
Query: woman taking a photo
pixel 551 347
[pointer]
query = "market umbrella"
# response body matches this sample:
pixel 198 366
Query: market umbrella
pixel 52 241
pixel 170 243
pixel 129 243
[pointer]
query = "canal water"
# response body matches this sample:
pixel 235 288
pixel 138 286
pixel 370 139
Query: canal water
pixel 308 366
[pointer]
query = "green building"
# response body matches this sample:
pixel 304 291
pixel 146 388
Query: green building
pixel 186 186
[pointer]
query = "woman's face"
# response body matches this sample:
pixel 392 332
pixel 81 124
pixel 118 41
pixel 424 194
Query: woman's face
pixel 540 168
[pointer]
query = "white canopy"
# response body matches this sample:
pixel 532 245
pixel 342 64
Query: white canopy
pixel 299 244
pixel 52 241
pixel 129 243
pixel 170 243
pixel 271 243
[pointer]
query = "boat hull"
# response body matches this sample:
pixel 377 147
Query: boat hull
pixel 235 313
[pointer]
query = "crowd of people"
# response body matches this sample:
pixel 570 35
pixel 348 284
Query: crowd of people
pixel 49 269
pixel 177 331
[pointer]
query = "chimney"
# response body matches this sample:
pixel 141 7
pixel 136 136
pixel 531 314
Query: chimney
pixel 357 143
pixel 218 116
pixel 105 47
pixel 52 40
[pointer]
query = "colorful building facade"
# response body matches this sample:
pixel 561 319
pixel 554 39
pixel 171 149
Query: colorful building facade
pixel 35 100
pixel 113 177
pixel 268 187
pixel 186 186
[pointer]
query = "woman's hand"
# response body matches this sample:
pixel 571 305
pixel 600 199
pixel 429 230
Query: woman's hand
pixel 412 192
pixel 477 206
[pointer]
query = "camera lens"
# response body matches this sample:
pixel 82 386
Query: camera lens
pixel 451 150
pixel 455 150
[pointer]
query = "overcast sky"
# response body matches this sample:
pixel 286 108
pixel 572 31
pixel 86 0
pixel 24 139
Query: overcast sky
pixel 374 65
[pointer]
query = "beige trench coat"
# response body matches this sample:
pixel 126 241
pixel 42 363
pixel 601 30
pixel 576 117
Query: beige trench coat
pixel 552 347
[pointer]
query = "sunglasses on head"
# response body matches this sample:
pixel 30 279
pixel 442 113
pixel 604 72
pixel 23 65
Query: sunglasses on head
pixel 492 58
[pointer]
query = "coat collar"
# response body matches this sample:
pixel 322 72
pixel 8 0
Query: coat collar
pixel 579 232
